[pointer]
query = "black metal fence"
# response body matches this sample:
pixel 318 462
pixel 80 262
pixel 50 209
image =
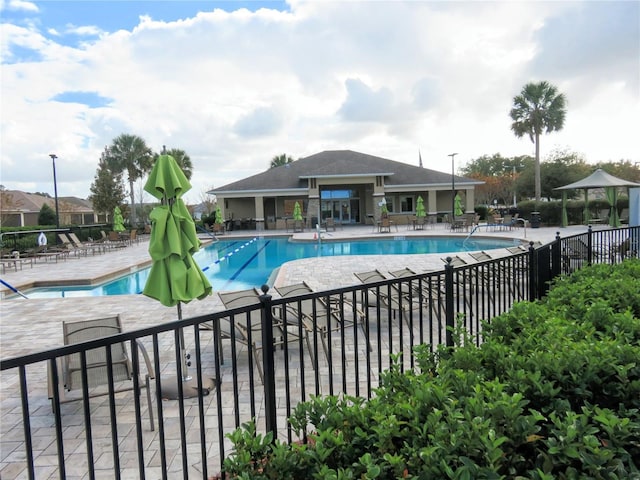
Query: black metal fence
pixel 319 343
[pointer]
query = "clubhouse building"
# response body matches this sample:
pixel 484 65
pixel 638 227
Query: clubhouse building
pixel 348 186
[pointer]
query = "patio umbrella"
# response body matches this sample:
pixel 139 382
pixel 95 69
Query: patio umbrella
pixel 457 202
pixel 118 221
pixel 174 277
pixel 420 212
pixel 219 218
pixel 297 212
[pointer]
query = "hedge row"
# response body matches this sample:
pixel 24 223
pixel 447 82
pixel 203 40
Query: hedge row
pixel 552 393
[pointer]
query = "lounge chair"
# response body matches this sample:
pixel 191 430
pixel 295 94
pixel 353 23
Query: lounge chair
pixel 72 248
pixel 429 293
pixel 46 252
pixel 15 260
pixel 247 328
pixel 624 216
pixel 88 245
pixel 388 296
pixel 328 314
pixel 70 371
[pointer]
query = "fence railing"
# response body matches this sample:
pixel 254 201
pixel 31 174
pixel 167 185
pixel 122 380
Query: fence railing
pixel 320 343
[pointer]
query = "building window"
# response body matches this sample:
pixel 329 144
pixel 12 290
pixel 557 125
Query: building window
pixel 406 204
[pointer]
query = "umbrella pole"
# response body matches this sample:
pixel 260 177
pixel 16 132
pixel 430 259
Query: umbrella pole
pixel 190 389
pixel 183 352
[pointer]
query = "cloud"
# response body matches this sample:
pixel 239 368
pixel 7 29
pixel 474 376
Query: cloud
pixel 233 89
pixel 363 104
pixel 258 123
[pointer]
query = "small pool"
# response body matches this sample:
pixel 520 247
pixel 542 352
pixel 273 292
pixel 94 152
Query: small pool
pixel 237 264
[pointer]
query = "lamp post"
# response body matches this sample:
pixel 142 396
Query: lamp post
pixel 55 188
pixel 453 186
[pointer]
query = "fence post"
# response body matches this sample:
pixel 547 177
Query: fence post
pixel 448 302
pixel 589 245
pixel 533 275
pixel 556 257
pixel 268 363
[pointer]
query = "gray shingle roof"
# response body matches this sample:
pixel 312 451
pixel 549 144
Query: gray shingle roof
pixel 340 163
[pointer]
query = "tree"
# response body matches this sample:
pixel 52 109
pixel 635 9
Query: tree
pixel 129 153
pixel 46 216
pixel 279 160
pixel 500 175
pixel 107 190
pixel 622 169
pixel 182 159
pixel 538 109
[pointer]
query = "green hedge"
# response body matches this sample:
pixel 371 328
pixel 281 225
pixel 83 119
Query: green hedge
pixel 553 392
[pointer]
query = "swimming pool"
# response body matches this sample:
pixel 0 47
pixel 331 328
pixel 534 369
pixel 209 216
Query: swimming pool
pixel 237 264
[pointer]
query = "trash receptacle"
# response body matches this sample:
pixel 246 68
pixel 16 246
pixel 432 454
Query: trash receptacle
pixel 535 219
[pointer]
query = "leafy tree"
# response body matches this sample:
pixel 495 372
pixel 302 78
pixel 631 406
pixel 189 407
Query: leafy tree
pixel 538 109
pixel 279 160
pixel 182 159
pixel 622 169
pixel 47 215
pixel 500 175
pixel 107 190
pixel 129 153
pixel 559 168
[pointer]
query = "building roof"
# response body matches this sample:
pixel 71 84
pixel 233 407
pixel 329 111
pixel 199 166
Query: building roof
pixel 16 201
pixel 599 179
pixel 340 164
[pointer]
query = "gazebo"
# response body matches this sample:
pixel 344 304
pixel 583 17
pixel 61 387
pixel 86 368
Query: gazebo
pixel 598 179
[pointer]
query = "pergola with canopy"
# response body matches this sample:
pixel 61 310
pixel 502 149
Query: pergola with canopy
pixel 598 179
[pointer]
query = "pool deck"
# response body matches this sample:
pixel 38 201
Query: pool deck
pixel 138 311
pixel 34 325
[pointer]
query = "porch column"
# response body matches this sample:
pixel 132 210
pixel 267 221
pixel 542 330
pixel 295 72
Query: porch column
pixel 470 203
pixel 432 202
pixel 259 206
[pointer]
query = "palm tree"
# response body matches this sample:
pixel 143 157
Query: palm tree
pixel 538 109
pixel 279 160
pixel 182 159
pixel 130 153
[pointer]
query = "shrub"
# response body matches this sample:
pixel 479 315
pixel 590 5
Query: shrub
pixel 552 392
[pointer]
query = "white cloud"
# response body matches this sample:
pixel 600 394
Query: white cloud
pixel 385 78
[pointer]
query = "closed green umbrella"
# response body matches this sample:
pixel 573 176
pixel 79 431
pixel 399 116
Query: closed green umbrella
pixel 420 211
pixel 118 221
pixel 458 206
pixel 174 277
pixel 297 212
pixel 219 219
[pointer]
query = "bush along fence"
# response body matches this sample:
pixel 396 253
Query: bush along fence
pixel 271 355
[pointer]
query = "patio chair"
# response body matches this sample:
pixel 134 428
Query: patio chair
pixel 249 331
pixel 298 226
pixel 328 312
pixel 384 225
pixel 330 224
pixel 98 376
pixel 116 241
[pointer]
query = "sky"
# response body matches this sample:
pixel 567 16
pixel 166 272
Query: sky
pixel 235 83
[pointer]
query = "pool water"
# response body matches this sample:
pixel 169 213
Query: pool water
pixel 246 263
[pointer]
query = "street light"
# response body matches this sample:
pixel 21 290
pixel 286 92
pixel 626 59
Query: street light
pixel 453 187
pixel 55 188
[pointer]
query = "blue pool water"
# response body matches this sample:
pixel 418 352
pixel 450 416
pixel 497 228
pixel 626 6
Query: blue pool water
pixel 237 264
